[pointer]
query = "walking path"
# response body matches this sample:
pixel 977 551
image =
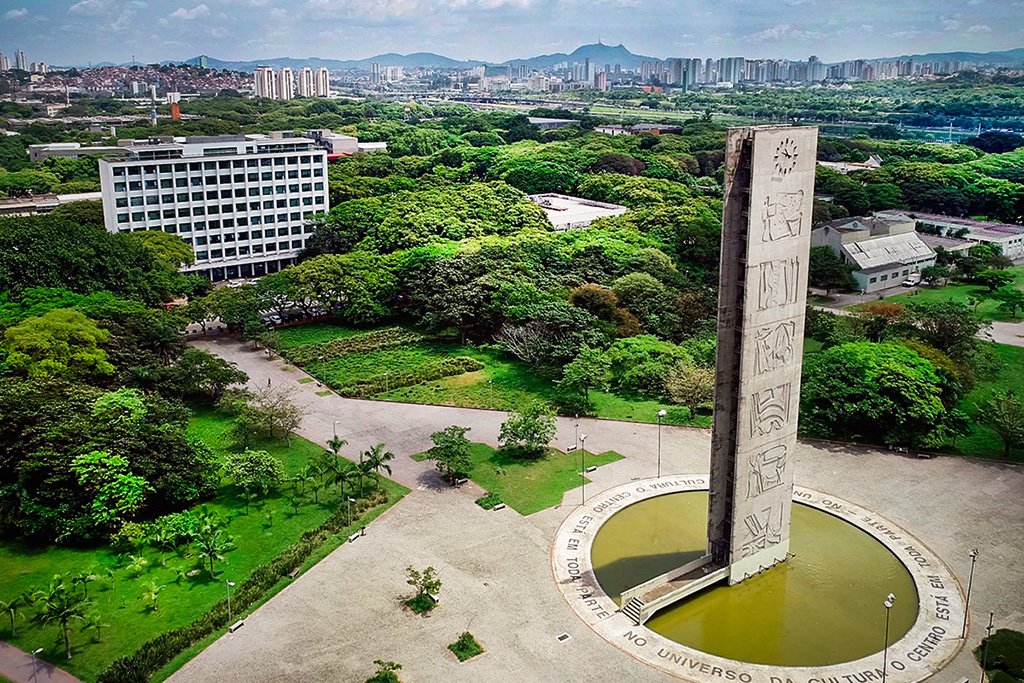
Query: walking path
pixel 16 665
pixel 332 622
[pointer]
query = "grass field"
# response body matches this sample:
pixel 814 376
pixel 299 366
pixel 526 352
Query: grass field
pixel 530 485
pixel 963 293
pixel 982 441
pixel 268 528
pixel 503 383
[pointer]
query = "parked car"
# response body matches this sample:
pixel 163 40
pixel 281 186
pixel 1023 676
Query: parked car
pixel 912 280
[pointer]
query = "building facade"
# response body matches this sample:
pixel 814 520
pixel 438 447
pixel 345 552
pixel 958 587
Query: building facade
pixel 243 202
pixel 1007 236
pixel 264 84
pixel 285 84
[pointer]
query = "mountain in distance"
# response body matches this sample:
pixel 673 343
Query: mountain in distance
pixel 598 53
pixel 1001 57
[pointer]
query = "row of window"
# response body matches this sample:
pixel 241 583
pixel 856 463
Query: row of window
pixel 895 276
pixel 201 181
pixel 232 223
pixel 229 252
pixel 180 166
pixel 213 195
pixel 156 215
pixel 203 240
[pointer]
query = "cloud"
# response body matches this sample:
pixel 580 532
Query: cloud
pixel 190 14
pixel 980 28
pixel 89 7
pixel 780 32
pixel 951 24
pixel 16 14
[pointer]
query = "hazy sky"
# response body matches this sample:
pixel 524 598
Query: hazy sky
pixel 76 32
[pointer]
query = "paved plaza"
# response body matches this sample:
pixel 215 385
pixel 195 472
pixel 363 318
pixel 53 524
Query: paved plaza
pixel 333 621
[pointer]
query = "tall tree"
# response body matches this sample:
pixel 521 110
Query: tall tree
pixel 60 604
pixel 1004 414
pixel 377 459
pixel 60 343
pixel 450 451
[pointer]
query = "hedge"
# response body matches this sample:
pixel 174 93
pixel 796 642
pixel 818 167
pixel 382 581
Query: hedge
pixel 427 373
pixel 387 338
pixel 156 653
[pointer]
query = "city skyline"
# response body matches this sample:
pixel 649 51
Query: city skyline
pixel 66 32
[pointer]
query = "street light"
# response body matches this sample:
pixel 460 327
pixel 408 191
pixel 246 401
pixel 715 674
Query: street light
pixel 967 608
pixel 661 416
pixel 348 512
pixel 984 657
pixel 583 479
pixel 229 585
pixel 890 600
pixel 35 653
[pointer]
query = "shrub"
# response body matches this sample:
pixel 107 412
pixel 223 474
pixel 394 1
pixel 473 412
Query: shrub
pixel 466 647
pixel 1005 654
pixel 421 603
pixel 387 338
pixel 446 367
pixel 488 501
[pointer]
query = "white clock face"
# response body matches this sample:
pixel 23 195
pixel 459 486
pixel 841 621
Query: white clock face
pixel 785 156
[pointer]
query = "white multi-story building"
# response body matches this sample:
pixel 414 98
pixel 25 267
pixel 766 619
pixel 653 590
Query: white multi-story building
pixel 242 201
pixel 265 85
pixel 20 60
pixel 285 84
pixel 323 82
pixel 5 62
pixel 305 82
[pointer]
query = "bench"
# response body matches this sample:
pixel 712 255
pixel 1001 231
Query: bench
pixel 235 626
pixel 295 572
pixel 499 506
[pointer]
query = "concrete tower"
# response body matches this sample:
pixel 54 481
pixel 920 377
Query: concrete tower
pixel 766 229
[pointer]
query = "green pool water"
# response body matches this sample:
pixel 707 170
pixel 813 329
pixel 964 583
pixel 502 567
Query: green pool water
pixel 823 606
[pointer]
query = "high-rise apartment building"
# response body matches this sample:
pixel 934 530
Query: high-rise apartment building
pixel 243 202
pixel 305 82
pixel 322 82
pixel 375 76
pixel 645 72
pixel 5 62
pixel 675 71
pixel 601 80
pixel 265 85
pixel 20 60
pixel 285 84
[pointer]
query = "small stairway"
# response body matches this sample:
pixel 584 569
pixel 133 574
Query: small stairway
pixel 633 610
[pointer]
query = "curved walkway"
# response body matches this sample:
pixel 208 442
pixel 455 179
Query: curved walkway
pixel 337 618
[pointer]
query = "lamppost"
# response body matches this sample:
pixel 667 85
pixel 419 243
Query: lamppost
pixel 229 585
pixel 890 600
pixel 661 416
pixel 583 459
pixel 970 581
pixel 988 637
pixel 35 675
pixel 576 432
pixel 348 511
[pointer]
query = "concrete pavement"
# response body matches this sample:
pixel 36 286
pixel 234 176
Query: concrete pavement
pixel 17 665
pixel 341 615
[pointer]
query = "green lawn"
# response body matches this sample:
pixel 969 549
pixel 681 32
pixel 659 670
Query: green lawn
pixel 526 485
pixel 268 528
pixel 982 441
pixel 503 384
pixel 313 333
pixel 962 292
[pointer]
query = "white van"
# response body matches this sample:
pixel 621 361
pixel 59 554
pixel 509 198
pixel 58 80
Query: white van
pixel 912 280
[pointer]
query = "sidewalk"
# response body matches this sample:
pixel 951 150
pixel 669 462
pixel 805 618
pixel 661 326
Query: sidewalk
pixel 17 666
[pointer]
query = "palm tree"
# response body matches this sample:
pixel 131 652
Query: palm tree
pixel 60 605
pixel 83 579
pixel 377 459
pixel 151 594
pixel 13 607
pixel 305 475
pixel 336 444
pixel 212 543
pixel 94 622
pixel 138 564
pixel 344 478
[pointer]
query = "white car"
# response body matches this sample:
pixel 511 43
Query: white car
pixel 912 280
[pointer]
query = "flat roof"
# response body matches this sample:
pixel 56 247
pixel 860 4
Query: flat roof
pixel 947 243
pixel 972 225
pixel 565 210
pixel 887 249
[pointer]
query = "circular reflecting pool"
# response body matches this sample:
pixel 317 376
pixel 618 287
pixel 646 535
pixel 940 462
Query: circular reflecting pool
pixel 823 606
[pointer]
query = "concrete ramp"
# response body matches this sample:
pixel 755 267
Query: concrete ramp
pixel 641 602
